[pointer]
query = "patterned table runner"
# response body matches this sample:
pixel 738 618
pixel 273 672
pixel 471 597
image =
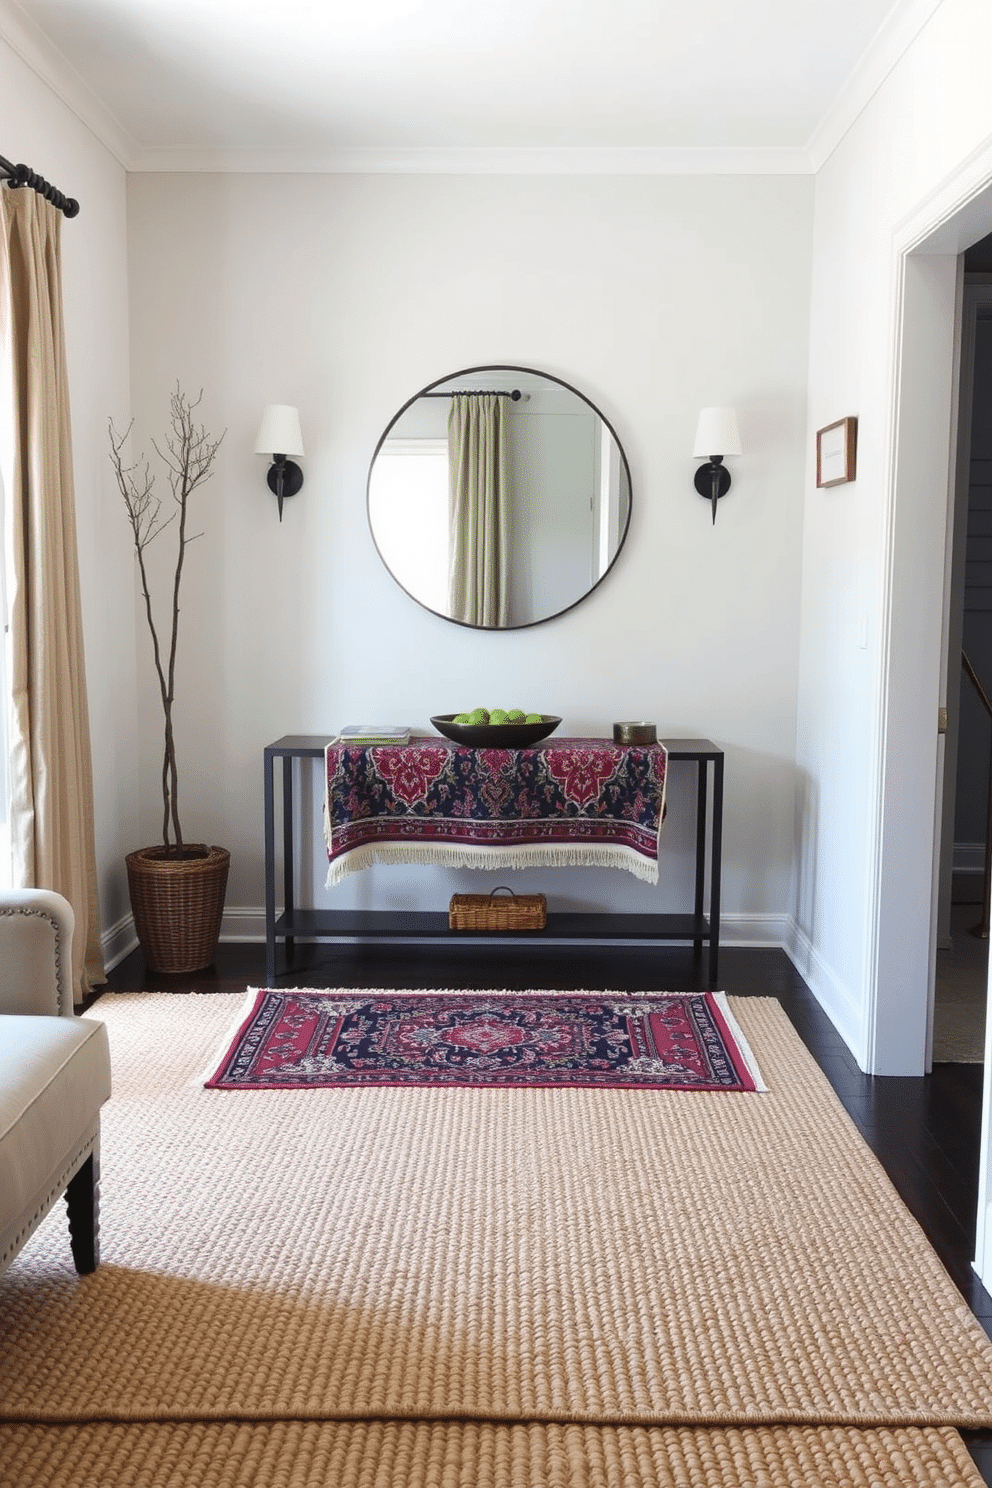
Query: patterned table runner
pixel 565 802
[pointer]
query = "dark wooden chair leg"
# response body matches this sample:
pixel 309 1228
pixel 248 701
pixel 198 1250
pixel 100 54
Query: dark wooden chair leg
pixel 82 1199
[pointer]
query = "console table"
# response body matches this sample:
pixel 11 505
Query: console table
pixel 431 927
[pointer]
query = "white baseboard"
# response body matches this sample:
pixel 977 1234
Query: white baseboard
pixel 756 930
pixel 245 924
pixel 830 992
pixel 118 941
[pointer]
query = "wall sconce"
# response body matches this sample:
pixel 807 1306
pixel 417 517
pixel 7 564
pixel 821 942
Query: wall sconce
pixel 716 430
pixel 279 438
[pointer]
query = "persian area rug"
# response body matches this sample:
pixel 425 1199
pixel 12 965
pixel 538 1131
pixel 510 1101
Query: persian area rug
pixel 510 1288
pixel 306 1039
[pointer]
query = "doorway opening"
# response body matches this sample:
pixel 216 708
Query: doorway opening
pixel 961 970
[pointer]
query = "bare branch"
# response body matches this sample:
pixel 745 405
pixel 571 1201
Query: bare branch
pixel 136 484
pixel 188 456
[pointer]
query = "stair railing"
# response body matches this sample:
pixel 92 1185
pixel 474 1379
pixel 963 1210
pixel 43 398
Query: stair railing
pixel 982 930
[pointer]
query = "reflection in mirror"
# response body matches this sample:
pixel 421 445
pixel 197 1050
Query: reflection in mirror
pixel 499 497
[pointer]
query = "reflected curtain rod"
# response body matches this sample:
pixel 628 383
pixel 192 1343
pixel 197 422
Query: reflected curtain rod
pixel 516 395
pixel 23 175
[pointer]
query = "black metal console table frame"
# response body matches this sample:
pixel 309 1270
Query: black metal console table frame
pixel 419 927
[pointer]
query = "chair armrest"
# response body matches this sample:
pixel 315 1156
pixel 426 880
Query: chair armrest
pixel 36 928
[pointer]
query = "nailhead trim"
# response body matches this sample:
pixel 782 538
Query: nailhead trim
pixel 43 914
pixel 61 1184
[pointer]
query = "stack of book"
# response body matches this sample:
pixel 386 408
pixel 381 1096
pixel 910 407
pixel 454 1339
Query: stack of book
pixel 364 734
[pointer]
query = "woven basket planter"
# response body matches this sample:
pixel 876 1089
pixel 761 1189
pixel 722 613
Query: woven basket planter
pixel 177 904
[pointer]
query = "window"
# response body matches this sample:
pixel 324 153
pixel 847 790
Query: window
pixel 408 509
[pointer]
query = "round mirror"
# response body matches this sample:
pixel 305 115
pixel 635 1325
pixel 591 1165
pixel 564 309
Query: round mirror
pixel 499 497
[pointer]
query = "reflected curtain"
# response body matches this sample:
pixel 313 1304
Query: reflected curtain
pixel 51 806
pixel 479 547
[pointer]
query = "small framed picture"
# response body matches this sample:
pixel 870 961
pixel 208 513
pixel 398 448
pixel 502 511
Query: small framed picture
pixel 836 449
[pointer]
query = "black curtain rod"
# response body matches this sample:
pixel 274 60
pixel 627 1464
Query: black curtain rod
pixel 516 395
pixel 23 175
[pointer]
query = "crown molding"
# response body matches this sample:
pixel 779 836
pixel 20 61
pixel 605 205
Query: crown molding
pixel 900 29
pixel 37 52
pixel 529 161
pixel 896 34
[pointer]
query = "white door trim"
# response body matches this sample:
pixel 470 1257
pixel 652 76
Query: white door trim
pixel 905 827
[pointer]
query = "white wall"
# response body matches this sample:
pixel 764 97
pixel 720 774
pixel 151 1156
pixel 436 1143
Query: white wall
pixel 39 129
pixel 867 699
pixel 344 295
pixel 554 447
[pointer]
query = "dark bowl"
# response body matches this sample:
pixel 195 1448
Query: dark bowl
pixel 495 735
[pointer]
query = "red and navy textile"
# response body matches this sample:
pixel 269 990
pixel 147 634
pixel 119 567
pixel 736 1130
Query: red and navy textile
pixel 564 802
pixel 310 1039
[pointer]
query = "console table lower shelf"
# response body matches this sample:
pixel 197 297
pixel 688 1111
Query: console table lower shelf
pixel 421 927
pixel 418 927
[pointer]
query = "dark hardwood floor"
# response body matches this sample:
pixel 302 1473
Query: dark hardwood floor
pixel 925 1131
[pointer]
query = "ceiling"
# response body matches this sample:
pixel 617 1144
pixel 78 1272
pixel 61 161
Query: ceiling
pixel 175 80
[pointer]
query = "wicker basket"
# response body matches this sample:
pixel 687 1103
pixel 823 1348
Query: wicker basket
pixel 486 912
pixel 177 904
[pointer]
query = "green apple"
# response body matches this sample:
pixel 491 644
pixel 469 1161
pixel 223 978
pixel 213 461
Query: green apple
pixel 460 718
pixel 479 715
pixel 499 715
pixel 534 718
pixel 515 715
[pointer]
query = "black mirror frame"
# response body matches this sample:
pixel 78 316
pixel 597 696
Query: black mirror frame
pixel 548 377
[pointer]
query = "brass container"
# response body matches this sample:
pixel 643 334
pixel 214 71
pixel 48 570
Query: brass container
pixel 635 733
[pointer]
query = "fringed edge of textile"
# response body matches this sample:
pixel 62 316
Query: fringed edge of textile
pixel 737 1034
pixel 662 805
pixel 446 855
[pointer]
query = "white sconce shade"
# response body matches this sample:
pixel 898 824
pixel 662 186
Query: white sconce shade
pixel 279 432
pixel 280 440
pixel 717 433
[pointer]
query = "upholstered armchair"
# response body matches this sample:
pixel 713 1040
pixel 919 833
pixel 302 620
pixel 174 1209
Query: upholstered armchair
pixel 54 1077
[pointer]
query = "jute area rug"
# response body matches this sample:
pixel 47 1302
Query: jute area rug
pixel 460 1286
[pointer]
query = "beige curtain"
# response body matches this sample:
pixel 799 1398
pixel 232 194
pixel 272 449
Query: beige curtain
pixel 51 807
pixel 479 548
